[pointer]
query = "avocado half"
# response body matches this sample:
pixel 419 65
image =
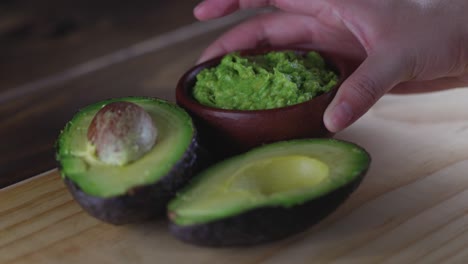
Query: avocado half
pixel 139 190
pixel 268 193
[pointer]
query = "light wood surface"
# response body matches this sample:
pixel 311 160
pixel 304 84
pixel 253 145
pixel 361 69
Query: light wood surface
pixel 411 208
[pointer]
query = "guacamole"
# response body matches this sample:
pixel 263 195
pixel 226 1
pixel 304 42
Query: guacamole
pixel 272 80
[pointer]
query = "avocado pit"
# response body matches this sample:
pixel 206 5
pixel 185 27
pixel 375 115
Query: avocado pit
pixel 138 190
pixel 122 132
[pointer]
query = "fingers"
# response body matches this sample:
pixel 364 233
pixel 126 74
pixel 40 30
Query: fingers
pixel 210 9
pixel 371 80
pixel 273 29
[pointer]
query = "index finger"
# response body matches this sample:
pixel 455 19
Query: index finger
pixel 209 9
pixel 274 29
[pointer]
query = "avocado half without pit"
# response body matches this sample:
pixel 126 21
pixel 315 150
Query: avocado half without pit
pixel 124 159
pixel 267 193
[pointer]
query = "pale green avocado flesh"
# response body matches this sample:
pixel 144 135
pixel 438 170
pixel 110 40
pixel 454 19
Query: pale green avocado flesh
pixel 280 174
pixel 79 163
pixel 272 80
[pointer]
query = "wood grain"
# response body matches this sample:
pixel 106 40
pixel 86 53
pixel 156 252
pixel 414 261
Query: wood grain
pixel 31 122
pixel 38 39
pixel 411 208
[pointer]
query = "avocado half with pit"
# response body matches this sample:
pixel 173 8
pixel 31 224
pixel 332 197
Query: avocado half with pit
pixel 124 159
pixel 267 193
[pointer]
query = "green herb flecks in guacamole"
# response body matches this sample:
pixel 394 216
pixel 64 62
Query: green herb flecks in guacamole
pixel 272 80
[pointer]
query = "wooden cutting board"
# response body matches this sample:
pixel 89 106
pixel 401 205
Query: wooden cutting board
pixel 412 206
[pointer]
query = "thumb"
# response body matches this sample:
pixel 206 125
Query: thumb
pixel 371 80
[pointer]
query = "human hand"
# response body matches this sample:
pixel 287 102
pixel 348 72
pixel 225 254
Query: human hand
pixel 405 46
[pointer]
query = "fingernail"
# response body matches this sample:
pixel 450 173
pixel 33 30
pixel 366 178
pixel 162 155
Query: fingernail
pixel 209 53
pixel 341 115
pixel 198 10
pixel 200 60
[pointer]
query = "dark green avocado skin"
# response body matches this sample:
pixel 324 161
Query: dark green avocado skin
pixel 266 224
pixel 145 202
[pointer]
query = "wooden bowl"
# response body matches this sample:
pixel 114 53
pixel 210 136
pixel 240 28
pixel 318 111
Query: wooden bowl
pixel 229 132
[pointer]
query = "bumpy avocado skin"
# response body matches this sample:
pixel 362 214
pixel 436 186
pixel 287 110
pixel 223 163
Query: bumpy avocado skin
pixel 266 224
pixel 144 202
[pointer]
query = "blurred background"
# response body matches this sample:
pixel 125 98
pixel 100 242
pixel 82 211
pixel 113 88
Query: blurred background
pixel 57 56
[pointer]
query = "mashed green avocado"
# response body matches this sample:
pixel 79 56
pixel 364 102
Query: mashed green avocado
pixel 272 80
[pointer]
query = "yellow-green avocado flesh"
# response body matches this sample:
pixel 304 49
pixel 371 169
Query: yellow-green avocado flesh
pixel 282 174
pixel 79 163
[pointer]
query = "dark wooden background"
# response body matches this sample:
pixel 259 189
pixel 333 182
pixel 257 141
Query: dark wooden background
pixel 57 56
